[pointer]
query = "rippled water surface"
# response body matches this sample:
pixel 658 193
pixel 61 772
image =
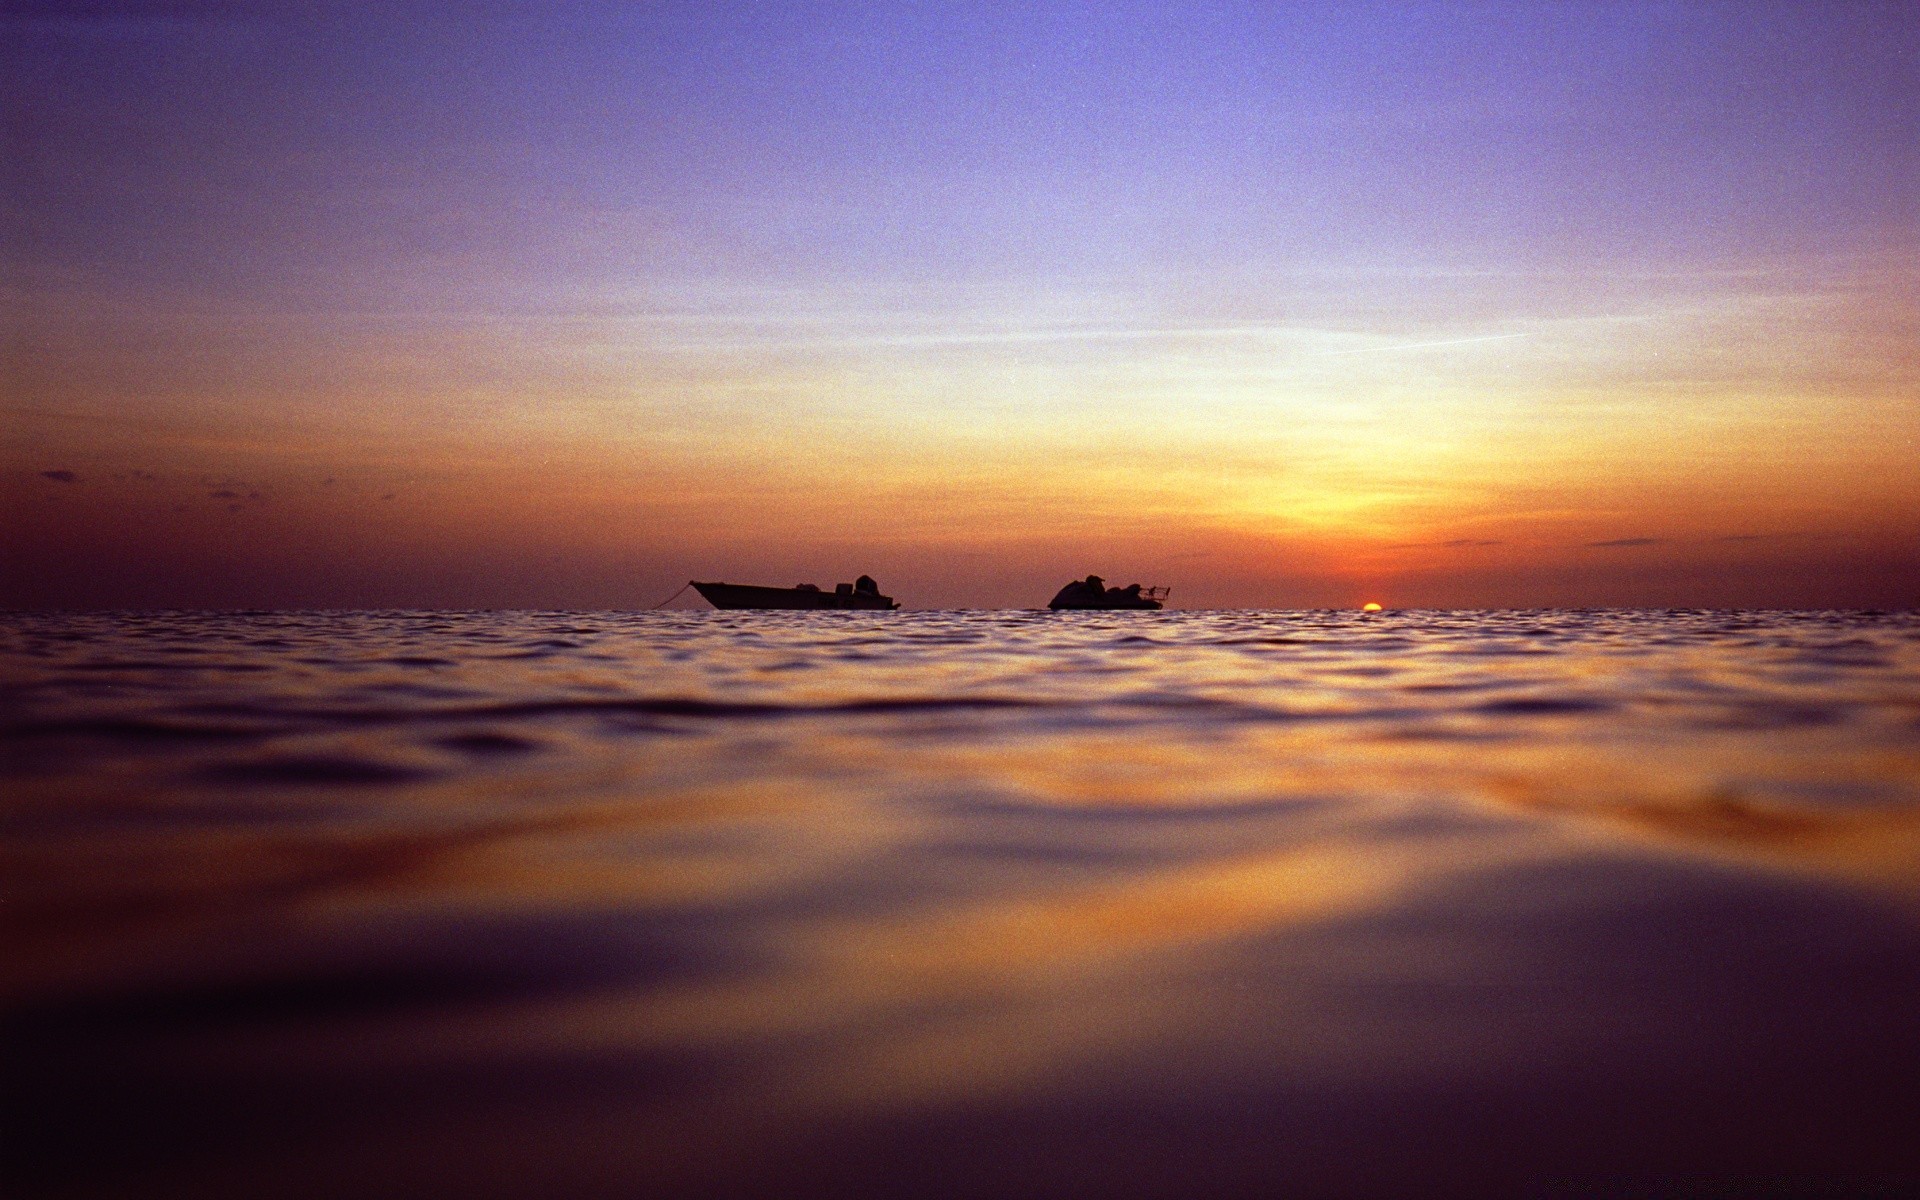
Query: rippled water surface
pixel 965 904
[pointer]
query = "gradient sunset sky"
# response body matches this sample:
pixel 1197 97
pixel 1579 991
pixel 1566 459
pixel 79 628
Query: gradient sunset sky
pixel 1288 305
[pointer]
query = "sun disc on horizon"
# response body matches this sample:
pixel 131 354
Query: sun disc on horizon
pixel 1370 606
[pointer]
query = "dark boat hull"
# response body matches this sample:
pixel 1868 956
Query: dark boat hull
pixel 741 595
pixel 1142 605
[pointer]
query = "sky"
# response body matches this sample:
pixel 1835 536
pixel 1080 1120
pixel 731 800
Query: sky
pixel 561 305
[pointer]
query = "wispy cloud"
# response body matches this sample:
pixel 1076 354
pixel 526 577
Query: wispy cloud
pixel 233 492
pixel 1466 341
pixel 1794 535
pixel 62 476
pixel 1617 543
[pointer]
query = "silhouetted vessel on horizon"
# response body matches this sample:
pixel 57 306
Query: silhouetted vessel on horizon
pixel 1093 592
pixel 861 593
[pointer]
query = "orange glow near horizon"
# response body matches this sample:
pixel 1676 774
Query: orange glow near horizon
pixel 1245 471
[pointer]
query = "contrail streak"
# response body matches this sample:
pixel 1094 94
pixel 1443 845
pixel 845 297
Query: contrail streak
pixel 1014 337
pixel 1001 337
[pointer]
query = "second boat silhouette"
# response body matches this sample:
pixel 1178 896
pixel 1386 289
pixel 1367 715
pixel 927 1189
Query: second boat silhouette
pixel 1093 592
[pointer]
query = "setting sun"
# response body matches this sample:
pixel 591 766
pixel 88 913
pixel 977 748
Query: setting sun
pixel 1370 606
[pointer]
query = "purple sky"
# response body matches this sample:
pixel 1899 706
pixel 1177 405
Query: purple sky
pixel 1337 279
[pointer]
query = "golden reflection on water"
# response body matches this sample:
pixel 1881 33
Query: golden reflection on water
pixel 862 872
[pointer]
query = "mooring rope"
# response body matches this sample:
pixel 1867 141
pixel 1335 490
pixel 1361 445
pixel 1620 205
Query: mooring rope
pixel 675 596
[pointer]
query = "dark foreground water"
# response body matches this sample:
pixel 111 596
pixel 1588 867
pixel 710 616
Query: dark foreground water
pixel 962 904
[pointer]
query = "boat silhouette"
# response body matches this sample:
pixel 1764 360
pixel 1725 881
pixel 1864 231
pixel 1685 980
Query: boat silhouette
pixel 862 593
pixel 1093 592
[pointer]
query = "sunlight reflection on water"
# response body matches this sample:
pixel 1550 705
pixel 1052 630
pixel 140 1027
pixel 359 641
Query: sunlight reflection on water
pixel 962 903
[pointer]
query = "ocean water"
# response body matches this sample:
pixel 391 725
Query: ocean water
pixel 962 904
